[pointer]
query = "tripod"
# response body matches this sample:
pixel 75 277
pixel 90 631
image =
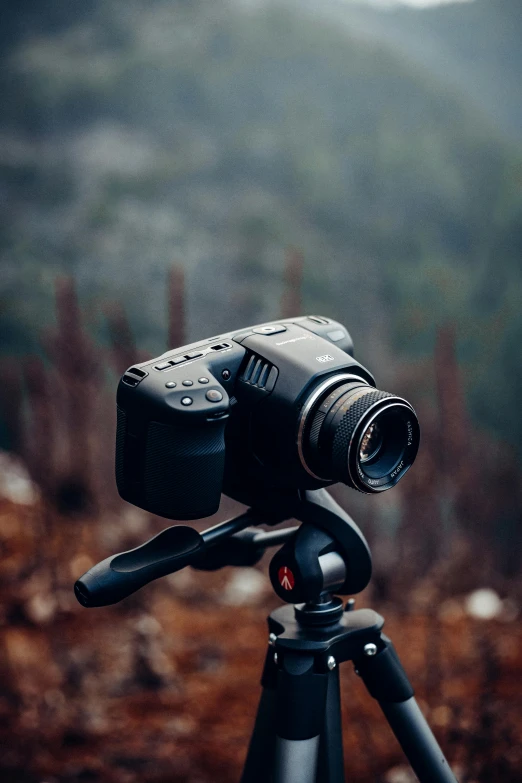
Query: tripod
pixel 297 736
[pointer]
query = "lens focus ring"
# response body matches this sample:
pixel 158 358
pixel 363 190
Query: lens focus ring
pixel 345 430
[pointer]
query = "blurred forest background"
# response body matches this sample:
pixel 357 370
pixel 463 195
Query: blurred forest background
pixel 172 170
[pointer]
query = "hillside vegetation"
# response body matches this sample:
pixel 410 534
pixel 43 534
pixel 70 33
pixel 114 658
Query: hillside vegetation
pixel 217 135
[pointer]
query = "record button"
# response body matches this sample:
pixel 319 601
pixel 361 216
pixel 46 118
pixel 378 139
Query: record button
pixel 270 329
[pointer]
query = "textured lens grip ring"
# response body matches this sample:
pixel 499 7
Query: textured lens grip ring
pixel 346 429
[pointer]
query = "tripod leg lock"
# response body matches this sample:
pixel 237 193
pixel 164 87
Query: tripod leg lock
pixel 383 674
pixel 301 698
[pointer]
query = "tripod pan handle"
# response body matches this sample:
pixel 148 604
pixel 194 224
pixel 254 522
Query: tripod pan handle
pixel 118 576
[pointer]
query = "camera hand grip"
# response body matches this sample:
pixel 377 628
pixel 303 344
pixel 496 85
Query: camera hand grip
pixel 118 576
pixel 175 470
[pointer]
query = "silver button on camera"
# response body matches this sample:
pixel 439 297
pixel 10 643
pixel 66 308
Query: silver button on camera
pixel 213 395
pixel 269 329
pixel 186 401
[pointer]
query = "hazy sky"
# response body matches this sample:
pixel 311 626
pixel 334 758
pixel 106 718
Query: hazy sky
pixel 421 3
pixel 416 3
pixel 382 3
pixel 379 3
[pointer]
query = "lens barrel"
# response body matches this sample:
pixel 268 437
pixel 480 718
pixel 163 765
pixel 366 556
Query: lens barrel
pixel 359 435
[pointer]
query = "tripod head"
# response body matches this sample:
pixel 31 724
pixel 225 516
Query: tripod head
pixel 326 553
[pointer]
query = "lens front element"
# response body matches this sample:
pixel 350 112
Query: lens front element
pixel 361 436
pixel 371 443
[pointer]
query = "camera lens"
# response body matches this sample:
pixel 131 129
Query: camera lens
pixel 354 433
pixel 371 443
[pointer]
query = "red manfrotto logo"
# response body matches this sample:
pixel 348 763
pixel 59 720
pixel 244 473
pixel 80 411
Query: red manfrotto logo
pixel 286 578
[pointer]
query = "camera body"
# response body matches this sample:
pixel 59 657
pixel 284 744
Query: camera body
pixel 242 413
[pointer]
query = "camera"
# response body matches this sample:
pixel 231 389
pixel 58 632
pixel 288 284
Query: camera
pixel 275 407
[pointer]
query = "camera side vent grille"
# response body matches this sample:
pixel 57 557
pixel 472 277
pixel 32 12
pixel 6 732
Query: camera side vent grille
pixel 259 373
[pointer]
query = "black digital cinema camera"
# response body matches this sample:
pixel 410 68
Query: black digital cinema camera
pixel 275 407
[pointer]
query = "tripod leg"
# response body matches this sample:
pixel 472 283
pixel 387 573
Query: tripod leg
pixel 296 756
pixel 260 757
pixel 417 741
pixel 331 761
pixel 300 715
pixel 387 682
pixel 296 760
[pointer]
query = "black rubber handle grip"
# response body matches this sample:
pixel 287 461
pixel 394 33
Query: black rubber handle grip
pixel 120 575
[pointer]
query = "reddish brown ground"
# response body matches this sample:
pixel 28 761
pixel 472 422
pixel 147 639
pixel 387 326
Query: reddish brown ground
pixel 164 686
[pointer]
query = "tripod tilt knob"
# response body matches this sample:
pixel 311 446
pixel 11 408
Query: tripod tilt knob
pixel 307 566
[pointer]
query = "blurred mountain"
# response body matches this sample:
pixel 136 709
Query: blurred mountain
pixel 218 134
pixel 473 47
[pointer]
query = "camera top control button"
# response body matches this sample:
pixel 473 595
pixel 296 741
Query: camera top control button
pixel 162 366
pixel 336 335
pixel 186 401
pixel 270 329
pixel 179 359
pixel 171 384
pixel 213 395
pixel 240 336
pixel 202 380
pixel 193 355
pixel 188 383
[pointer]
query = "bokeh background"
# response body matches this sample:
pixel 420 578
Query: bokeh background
pixel 171 169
